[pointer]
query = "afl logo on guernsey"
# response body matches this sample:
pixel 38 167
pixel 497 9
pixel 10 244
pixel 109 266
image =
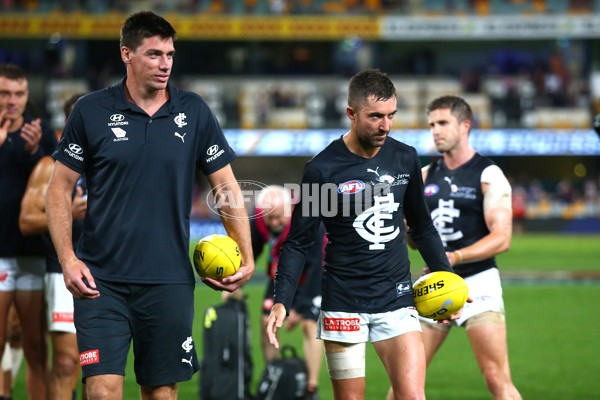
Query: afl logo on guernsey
pixel 353 186
pixel 431 189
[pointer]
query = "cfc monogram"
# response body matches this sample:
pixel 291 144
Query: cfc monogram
pixel 180 120
pixel 442 217
pixel 188 344
pixel 370 224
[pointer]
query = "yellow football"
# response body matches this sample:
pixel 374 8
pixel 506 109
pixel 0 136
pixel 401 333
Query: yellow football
pixel 217 256
pixel 440 294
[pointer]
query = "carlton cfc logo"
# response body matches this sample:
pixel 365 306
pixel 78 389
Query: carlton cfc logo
pixel 353 186
pixel 431 189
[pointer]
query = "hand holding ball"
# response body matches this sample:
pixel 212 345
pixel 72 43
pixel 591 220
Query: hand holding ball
pixel 217 256
pixel 440 294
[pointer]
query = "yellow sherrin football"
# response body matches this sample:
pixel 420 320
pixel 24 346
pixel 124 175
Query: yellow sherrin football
pixel 217 256
pixel 440 294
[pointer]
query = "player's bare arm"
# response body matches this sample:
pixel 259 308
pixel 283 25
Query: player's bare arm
pixel 235 221
pixel 32 219
pixel 274 322
pixel 60 224
pixel 498 218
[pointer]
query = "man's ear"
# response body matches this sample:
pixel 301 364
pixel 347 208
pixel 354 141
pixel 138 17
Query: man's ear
pixel 351 113
pixel 467 124
pixel 125 54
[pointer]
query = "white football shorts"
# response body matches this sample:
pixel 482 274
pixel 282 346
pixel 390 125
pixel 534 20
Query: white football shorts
pixel 59 304
pixel 485 289
pixel 363 327
pixel 22 273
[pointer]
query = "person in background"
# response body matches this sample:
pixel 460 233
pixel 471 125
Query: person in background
pixel 470 202
pixel 13 354
pixel 270 228
pixel 24 140
pixel 64 371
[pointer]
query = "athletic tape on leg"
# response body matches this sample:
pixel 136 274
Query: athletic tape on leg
pixel 345 361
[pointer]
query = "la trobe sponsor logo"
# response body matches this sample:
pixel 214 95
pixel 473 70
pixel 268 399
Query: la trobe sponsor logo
pixel 341 324
pixel 89 357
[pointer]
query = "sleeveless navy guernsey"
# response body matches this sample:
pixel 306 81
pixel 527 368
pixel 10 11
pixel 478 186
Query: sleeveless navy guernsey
pixel 455 200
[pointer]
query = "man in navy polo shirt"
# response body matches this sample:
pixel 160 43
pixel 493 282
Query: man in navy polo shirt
pixel 139 144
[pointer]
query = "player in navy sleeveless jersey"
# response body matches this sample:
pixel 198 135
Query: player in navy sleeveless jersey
pixel 139 144
pixel 23 142
pixel 470 202
pixel 361 187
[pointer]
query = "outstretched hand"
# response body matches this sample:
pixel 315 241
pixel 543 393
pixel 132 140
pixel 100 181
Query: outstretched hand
pixel 274 322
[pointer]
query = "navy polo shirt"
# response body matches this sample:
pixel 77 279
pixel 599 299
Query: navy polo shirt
pixel 140 175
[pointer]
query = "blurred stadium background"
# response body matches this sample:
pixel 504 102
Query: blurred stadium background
pixel 276 71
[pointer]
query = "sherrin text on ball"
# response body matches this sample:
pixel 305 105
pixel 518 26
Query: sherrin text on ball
pixel 440 294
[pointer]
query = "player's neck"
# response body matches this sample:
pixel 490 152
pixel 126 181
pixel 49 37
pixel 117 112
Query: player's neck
pixel 355 146
pixel 16 124
pixel 459 156
pixel 148 100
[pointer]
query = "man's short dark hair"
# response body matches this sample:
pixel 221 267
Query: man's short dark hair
pixel 145 24
pixel 458 107
pixel 70 102
pixel 12 72
pixel 369 83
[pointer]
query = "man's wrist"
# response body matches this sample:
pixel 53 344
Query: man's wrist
pixel 457 254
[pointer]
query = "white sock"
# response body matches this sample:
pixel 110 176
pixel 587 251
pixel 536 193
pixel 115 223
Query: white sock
pixel 17 357
pixel 7 358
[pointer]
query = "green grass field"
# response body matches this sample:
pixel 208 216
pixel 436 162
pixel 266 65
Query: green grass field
pixel 551 331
